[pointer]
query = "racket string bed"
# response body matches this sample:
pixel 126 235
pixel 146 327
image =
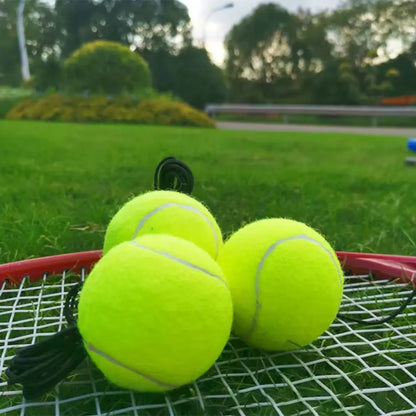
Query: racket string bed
pixel 351 370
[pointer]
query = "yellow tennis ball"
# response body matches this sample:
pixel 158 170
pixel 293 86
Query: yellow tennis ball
pixel 165 212
pixel 155 313
pixel 286 283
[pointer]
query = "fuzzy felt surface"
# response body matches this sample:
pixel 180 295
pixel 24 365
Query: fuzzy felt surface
pixel 155 313
pixel 286 283
pixel 165 212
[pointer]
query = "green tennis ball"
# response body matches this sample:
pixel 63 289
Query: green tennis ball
pixel 286 283
pixel 165 212
pixel 155 313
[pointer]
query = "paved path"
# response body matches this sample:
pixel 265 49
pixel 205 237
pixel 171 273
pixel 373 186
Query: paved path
pixel 385 131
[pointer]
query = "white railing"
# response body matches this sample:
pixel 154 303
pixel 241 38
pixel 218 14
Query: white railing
pixel 323 110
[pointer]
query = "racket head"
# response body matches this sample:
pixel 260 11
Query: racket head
pixel 349 370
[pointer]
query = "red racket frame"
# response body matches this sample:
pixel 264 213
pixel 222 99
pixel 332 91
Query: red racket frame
pixel 380 265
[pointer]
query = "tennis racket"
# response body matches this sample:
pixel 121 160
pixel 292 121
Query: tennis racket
pixel 352 369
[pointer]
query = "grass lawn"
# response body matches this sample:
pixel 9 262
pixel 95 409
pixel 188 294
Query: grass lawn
pixel 61 183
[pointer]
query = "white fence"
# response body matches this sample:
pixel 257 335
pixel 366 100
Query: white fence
pixel 321 110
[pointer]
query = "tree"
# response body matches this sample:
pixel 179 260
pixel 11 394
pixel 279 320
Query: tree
pixel 275 50
pixel 162 66
pixel 53 32
pixel 274 54
pixel 337 84
pixel 148 24
pixel 40 33
pixel 77 20
pixel 400 73
pixel 260 46
pixel 10 58
pixel 197 80
pixel 362 31
pixel 190 75
pixel 312 48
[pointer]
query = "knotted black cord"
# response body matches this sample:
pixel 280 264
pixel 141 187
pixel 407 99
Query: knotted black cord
pixel 71 303
pixel 172 174
pixel 41 366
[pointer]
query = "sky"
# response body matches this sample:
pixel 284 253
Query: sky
pixel 214 27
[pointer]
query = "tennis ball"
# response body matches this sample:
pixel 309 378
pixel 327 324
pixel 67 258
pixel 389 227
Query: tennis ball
pixel 165 212
pixel 286 283
pixel 155 313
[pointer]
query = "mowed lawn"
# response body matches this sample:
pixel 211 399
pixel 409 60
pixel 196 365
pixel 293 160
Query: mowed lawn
pixel 61 183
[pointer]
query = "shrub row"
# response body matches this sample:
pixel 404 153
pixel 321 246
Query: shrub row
pixel 6 104
pixel 102 109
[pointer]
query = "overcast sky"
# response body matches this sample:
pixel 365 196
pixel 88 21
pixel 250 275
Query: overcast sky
pixel 219 23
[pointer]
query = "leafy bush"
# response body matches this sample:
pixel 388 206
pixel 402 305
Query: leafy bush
pixel 103 109
pixel 103 67
pixel 170 112
pixel 6 104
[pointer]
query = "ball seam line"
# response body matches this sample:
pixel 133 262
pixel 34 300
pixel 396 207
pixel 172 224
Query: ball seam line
pixel 187 207
pixel 181 261
pixel 269 251
pixel 112 360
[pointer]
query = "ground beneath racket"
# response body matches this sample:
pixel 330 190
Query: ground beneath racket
pixel 350 370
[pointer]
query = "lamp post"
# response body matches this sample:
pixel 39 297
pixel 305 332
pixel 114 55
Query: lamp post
pixel 217 9
pixel 22 41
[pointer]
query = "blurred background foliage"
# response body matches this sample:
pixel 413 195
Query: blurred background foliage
pixel 359 53
pixel 103 67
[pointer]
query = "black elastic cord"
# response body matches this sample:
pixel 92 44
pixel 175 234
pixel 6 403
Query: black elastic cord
pixel 71 303
pixel 385 320
pixel 41 366
pixel 172 174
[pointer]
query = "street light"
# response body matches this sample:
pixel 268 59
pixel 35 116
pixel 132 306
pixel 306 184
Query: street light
pixel 217 9
pixel 22 41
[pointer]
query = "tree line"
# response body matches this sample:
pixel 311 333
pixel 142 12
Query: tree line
pixel 361 52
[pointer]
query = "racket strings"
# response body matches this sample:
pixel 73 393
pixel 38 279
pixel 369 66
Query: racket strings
pixel 351 370
pixel 55 358
pixel 39 367
pixel 387 319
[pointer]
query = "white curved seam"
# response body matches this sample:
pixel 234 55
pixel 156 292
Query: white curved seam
pixel 181 261
pixel 189 208
pixel 261 266
pixel 126 367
